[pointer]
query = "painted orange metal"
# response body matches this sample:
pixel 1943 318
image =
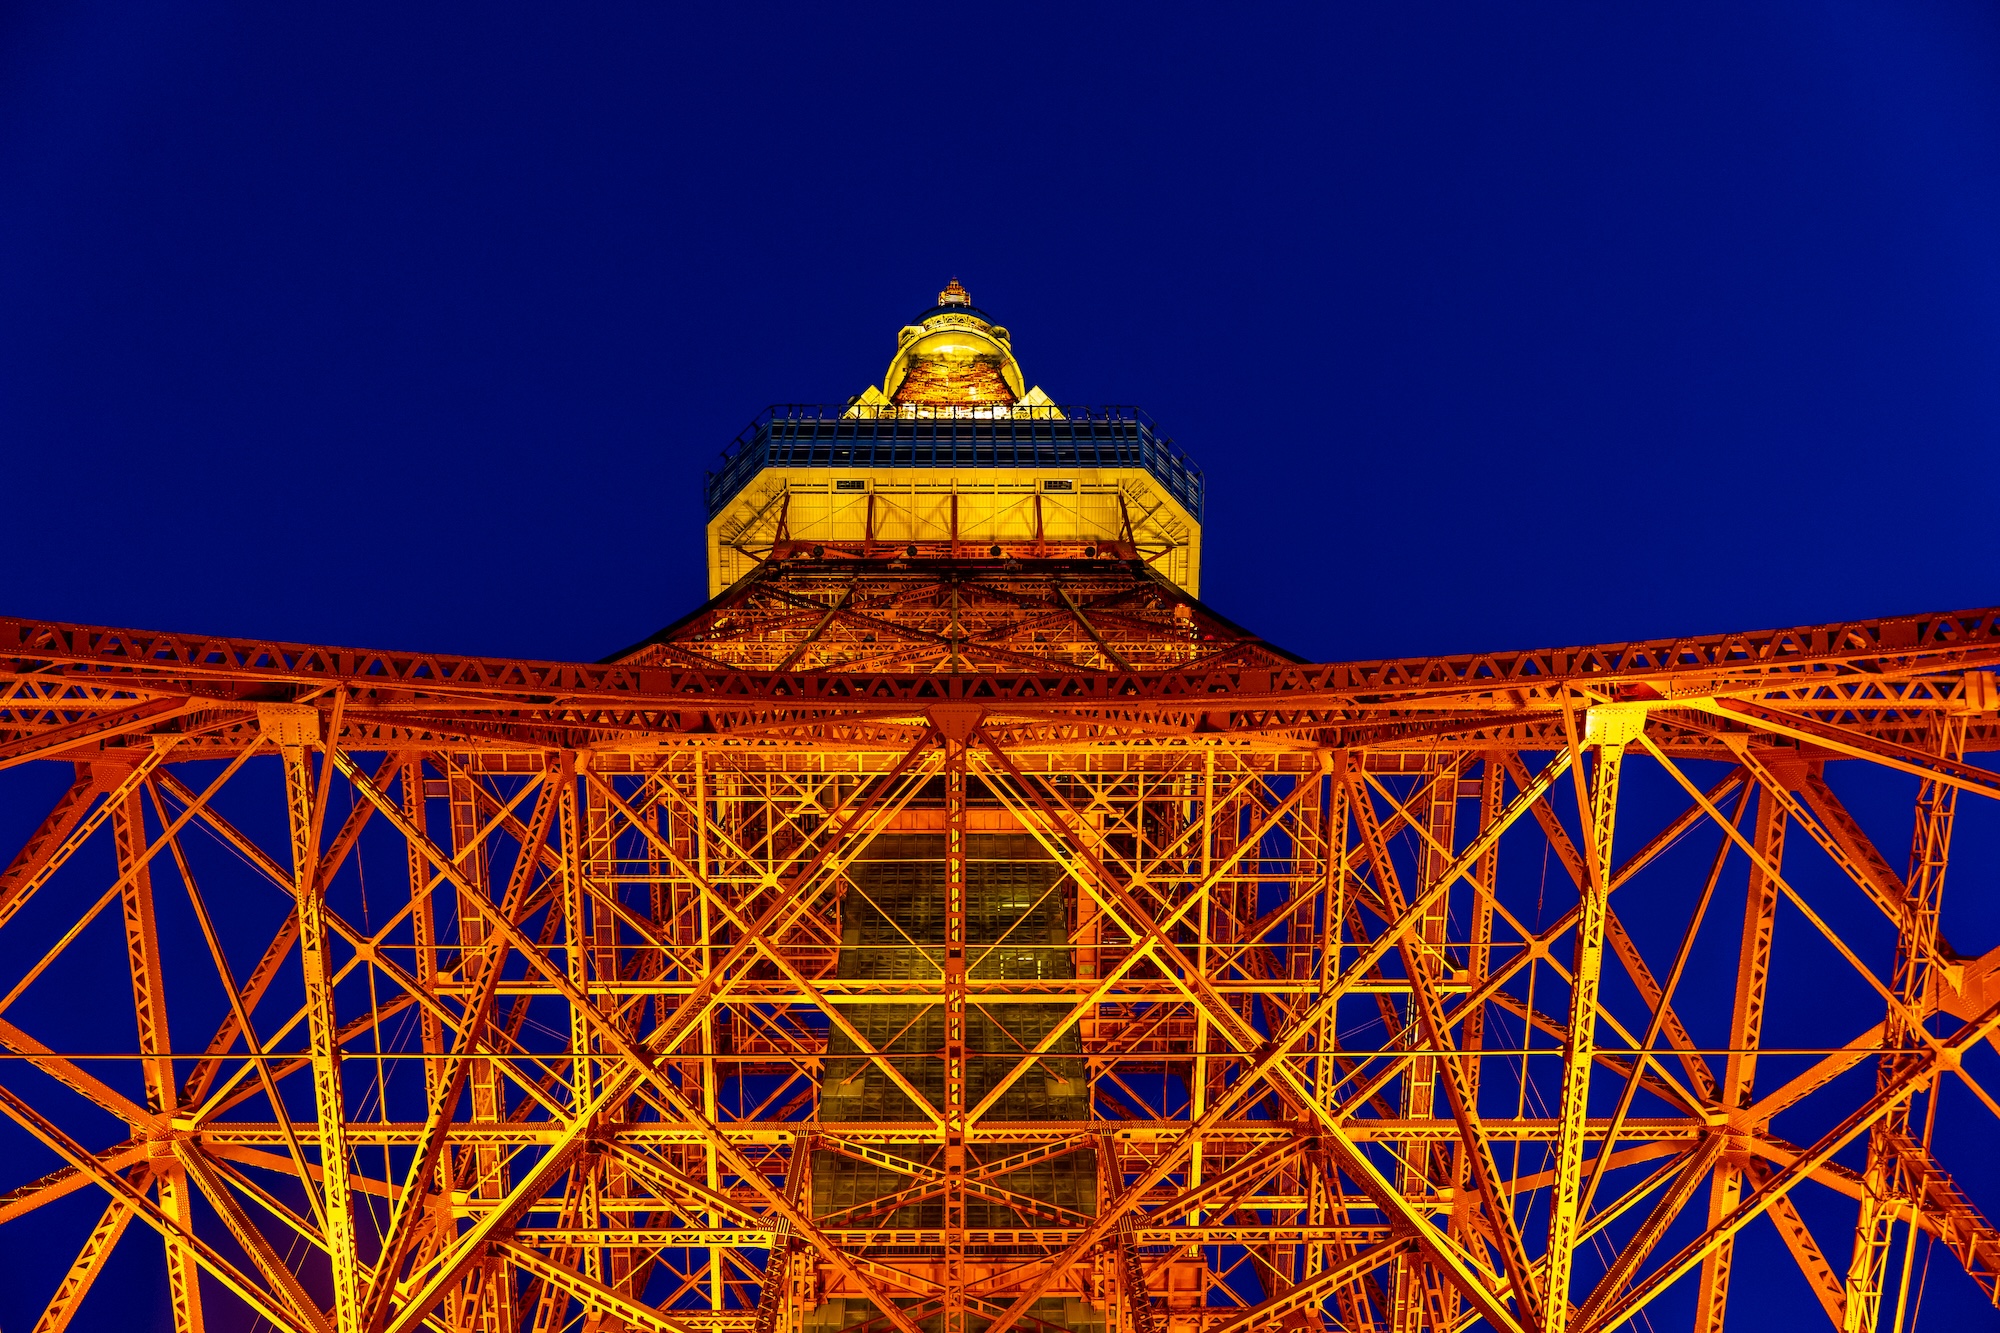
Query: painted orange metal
pixel 651 853
pixel 532 993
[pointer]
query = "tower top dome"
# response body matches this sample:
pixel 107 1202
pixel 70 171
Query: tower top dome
pixel 953 355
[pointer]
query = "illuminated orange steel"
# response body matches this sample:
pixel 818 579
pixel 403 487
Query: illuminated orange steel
pixel 583 992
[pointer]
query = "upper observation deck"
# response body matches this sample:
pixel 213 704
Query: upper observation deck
pixel 953 456
pixel 848 436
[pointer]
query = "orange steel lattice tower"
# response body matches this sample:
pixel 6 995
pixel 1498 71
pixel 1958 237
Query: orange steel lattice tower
pixel 956 925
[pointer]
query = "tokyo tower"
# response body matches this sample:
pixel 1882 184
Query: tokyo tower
pixel 955 925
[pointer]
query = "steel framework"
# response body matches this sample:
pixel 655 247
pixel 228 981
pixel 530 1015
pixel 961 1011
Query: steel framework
pixel 511 991
pixel 955 926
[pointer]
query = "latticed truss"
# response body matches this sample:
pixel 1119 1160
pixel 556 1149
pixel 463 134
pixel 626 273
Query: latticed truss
pixel 1071 613
pixel 984 945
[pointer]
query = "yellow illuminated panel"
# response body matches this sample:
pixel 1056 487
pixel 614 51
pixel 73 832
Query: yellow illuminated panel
pixel 890 507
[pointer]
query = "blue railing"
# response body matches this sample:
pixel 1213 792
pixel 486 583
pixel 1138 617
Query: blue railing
pixel 824 435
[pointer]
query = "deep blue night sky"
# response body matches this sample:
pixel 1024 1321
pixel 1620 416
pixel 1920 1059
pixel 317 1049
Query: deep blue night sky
pixel 1491 326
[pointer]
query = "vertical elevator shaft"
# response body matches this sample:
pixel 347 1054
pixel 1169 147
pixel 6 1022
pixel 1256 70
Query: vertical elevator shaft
pixel 894 934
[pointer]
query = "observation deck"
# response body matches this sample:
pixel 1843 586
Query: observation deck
pixel 820 435
pixel 885 480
